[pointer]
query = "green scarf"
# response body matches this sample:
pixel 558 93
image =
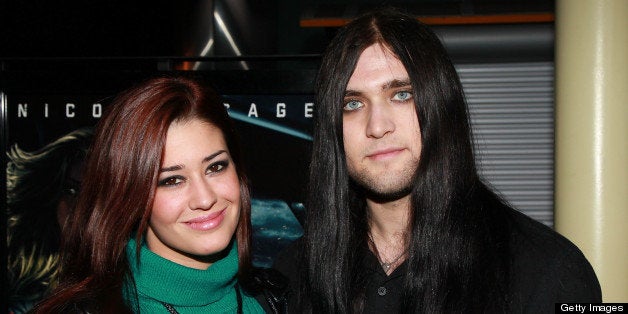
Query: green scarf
pixel 188 290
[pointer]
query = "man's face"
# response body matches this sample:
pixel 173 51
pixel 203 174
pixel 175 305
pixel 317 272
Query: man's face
pixel 382 139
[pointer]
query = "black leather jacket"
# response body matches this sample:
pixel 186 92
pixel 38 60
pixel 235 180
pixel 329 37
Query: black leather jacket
pixel 270 288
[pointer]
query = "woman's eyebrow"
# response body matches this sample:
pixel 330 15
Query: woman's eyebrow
pixel 179 167
pixel 171 168
pixel 212 156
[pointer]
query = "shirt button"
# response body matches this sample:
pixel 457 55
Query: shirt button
pixel 381 291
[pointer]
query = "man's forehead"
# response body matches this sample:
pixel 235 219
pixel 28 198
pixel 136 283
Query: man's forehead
pixel 377 68
pixel 378 51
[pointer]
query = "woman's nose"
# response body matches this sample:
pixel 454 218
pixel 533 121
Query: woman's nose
pixel 202 196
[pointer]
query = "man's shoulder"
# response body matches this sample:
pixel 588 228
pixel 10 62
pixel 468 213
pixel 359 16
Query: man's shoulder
pixel 532 238
pixel 546 267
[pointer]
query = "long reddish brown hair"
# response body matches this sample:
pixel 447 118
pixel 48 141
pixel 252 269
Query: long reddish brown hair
pixel 119 187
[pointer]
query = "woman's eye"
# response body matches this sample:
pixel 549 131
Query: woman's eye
pixel 402 96
pixel 352 105
pixel 217 167
pixel 170 181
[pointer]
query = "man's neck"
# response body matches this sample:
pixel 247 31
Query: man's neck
pixel 389 220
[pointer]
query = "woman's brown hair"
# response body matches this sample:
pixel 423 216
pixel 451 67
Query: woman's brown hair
pixel 119 186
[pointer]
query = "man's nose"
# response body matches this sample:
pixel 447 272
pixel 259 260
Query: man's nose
pixel 380 120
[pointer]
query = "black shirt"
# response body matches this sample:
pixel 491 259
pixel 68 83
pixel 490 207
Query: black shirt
pixel 382 291
pixel 546 268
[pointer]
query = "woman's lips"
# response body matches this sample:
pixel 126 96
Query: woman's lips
pixel 207 222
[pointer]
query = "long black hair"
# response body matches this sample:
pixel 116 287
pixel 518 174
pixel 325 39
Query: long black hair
pixel 457 252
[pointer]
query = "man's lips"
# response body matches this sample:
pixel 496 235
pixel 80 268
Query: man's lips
pixel 207 222
pixel 384 153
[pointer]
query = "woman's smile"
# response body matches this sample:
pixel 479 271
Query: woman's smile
pixel 207 222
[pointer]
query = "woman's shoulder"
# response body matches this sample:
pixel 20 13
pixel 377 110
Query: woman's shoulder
pixel 287 261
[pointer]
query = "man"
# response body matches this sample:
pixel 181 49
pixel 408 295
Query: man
pixel 398 218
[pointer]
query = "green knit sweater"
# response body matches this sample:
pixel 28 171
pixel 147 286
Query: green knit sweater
pixel 188 290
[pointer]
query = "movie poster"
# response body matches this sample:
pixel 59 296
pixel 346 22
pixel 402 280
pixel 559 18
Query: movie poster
pixel 48 119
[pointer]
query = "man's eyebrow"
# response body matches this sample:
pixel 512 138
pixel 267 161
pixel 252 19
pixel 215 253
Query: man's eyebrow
pixel 396 84
pixel 388 85
pixel 179 167
pixel 352 93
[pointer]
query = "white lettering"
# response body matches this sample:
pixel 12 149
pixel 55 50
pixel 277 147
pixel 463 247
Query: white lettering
pixel 605 308
pixel 253 110
pixel 46 110
pixel 69 113
pixel 97 110
pixel 281 110
pixel 22 110
pixel 309 108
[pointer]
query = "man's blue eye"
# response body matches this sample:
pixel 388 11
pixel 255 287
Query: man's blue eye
pixel 402 95
pixel 352 105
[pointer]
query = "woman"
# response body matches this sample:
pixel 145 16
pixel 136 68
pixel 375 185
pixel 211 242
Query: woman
pixel 162 222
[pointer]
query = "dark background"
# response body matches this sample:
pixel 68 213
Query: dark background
pixel 272 27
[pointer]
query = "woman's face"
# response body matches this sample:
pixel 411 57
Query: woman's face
pixel 197 199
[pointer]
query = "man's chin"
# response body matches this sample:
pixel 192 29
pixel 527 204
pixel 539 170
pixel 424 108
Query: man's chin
pixel 383 194
pixel 389 195
pixel 384 186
